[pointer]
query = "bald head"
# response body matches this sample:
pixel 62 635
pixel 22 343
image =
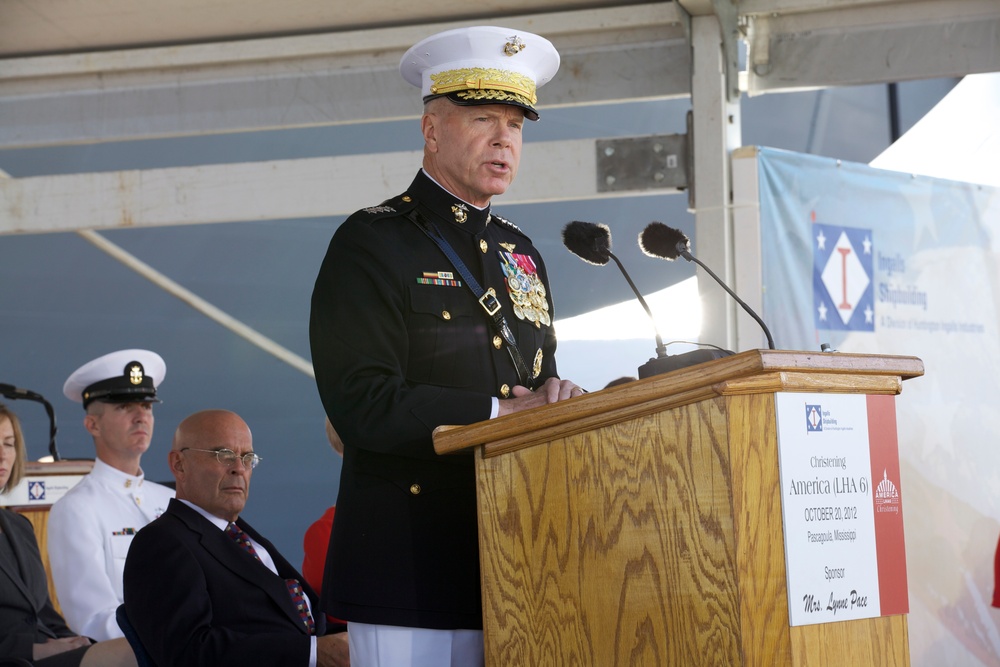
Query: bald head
pixel 219 488
pixel 202 427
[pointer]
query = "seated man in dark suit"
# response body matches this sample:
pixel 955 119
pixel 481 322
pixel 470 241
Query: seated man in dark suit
pixel 199 595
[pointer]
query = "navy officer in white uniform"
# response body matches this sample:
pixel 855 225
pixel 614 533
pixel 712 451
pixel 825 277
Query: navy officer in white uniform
pixel 91 527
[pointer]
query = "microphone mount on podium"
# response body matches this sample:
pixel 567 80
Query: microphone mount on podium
pixel 14 393
pixel 659 240
pixel 591 242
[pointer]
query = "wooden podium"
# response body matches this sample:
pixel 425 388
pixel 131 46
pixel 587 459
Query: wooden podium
pixel 642 524
pixel 37 511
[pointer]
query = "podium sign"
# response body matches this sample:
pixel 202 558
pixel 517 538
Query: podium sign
pixel 44 483
pixel 841 507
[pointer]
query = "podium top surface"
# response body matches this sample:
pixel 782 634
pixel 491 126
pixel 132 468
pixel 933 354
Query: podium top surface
pixel 753 371
pixel 63 467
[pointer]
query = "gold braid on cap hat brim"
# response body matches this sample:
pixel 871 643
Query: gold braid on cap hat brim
pixel 478 83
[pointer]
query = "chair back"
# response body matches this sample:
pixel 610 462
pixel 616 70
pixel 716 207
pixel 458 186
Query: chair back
pixel 142 658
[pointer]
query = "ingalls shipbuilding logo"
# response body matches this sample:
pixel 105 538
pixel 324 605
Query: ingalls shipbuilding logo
pixel 814 418
pixel 843 291
pixel 819 420
pixel 36 490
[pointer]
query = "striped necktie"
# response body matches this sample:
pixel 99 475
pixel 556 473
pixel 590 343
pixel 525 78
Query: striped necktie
pixel 294 587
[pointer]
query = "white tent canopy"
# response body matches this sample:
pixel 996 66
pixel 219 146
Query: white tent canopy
pixel 181 67
pixel 186 68
pixel 959 139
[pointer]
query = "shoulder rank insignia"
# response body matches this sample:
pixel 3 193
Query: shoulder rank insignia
pixel 506 223
pixel 398 204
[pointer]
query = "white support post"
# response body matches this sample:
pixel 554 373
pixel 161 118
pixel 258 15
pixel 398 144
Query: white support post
pixel 747 241
pixel 716 133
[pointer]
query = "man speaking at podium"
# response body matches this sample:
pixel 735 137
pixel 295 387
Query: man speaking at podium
pixel 429 309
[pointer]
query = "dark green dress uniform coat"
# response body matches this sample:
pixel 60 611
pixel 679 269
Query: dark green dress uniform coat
pixel 400 347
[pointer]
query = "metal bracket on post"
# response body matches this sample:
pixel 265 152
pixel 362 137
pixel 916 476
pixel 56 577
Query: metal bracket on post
pixel 728 15
pixel 658 162
pixel 689 120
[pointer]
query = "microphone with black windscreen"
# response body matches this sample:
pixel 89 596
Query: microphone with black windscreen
pixel 591 242
pixel 14 393
pixel 659 240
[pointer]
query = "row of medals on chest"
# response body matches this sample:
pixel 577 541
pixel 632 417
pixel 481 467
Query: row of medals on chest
pixel 527 293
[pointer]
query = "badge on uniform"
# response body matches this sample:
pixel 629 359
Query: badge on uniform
pixel 527 293
pixel 536 367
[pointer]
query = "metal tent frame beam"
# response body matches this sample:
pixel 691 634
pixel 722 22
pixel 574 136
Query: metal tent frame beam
pixel 610 54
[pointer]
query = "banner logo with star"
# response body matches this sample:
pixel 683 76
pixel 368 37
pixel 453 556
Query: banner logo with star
pixel 843 285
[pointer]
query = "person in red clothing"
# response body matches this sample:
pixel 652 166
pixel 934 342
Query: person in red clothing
pixel 317 537
pixel 996 577
pixel 315 543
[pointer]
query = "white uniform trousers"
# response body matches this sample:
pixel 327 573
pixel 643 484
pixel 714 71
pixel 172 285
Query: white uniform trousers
pixel 393 646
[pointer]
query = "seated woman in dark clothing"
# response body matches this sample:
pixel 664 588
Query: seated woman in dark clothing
pixel 30 627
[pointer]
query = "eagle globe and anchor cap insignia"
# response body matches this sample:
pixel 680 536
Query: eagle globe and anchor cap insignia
pixel 514 46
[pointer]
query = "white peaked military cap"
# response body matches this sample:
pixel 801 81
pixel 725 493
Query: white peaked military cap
pixel 125 376
pixel 482 65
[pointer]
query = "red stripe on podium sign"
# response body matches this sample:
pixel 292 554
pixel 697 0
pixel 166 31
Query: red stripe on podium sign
pixel 888 505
